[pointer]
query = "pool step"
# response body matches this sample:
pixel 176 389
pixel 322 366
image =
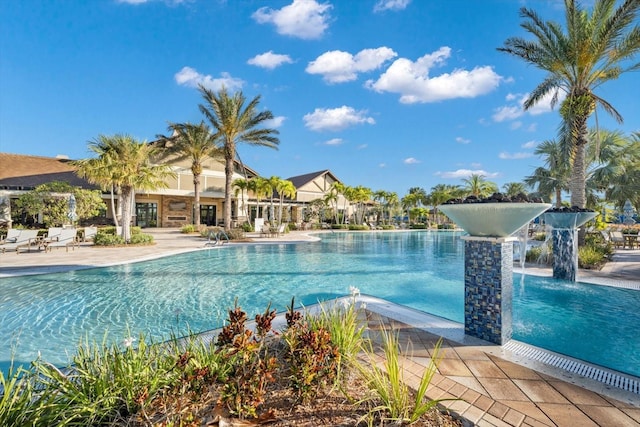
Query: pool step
pixel 574 366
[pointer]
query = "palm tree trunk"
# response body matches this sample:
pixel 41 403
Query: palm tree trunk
pixel 228 172
pixel 196 190
pixel 126 213
pixel 558 197
pixel 578 173
pixel 113 207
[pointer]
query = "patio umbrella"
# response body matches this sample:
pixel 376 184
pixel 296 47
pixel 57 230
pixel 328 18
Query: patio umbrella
pixel 71 214
pixel 5 210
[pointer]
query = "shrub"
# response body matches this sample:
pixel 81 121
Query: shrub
pixel 141 239
pixel 419 226
pixel 105 383
pixel 251 367
pixel 247 227
pixel 389 386
pixel 339 226
pixel 358 227
pixel 189 228
pixel 106 239
pixel 312 357
pixel 446 226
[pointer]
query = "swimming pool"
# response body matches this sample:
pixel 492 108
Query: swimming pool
pixel 49 314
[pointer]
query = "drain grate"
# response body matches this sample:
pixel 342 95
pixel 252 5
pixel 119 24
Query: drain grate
pixel 574 366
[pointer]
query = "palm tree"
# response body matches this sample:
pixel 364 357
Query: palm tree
pixel 554 178
pixel 234 123
pixel 101 170
pixel 260 188
pixel 193 142
pixel 360 195
pixel 273 182
pixel 440 193
pixel 595 49
pixel 337 189
pixel 128 166
pixel 477 185
pixel 514 188
pixel 240 186
pixel 285 188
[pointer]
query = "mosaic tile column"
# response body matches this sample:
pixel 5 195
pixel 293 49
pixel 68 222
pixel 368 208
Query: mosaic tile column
pixel 488 288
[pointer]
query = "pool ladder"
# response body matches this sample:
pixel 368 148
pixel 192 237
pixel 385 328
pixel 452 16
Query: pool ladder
pixel 217 238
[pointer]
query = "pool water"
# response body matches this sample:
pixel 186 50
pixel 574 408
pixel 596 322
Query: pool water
pixel 49 314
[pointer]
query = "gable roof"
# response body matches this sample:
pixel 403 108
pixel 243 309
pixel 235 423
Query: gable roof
pixel 23 172
pixel 300 180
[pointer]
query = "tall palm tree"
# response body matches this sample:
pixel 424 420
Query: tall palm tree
pixel 195 143
pixel 129 168
pixel 240 186
pixel 285 188
pixel 597 47
pixel 101 170
pixel 234 123
pixel 260 188
pixel 273 182
pixel 360 195
pixel 478 186
pixel 553 178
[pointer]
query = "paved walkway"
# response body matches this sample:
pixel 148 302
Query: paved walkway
pixel 494 386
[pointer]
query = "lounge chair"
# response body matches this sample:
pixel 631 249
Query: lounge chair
pixel 25 239
pixel 11 237
pixel 89 234
pixel 68 238
pixel 53 234
pixel 616 238
pixel 265 231
pixel 281 228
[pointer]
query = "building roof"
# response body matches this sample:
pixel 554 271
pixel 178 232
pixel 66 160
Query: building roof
pixel 23 172
pixel 300 180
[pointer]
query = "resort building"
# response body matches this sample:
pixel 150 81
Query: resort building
pixel 174 206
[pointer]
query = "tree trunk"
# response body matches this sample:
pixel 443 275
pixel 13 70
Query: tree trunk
pixel 558 197
pixel 113 208
pixel 196 190
pixel 127 193
pixel 228 172
pixel 578 174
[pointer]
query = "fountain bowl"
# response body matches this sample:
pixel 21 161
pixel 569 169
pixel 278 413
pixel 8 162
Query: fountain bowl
pixel 493 219
pixel 567 220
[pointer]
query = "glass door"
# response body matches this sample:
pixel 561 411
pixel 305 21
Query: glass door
pixel 147 214
pixel 208 214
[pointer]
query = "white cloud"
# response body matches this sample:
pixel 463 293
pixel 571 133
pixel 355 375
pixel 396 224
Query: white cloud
pixel 270 60
pixel 334 141
pixel 362 146
pixel 515 125
pixel 382 165
pixel 514 156
pixel 507 113
pixel 411 161
pixel 529 144
pixel 382 5
pixel 462 140
pixel 466 173
pixel 414 84
pixel 305 19
pixel 515 108
pixel 192 78
pixel 276 122
pixel 337 66
pixel 335 119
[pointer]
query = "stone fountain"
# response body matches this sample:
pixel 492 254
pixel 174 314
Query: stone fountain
pixel 488 260
pixel 564 223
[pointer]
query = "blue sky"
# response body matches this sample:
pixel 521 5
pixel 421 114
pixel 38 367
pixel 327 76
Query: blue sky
pixel 388 94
